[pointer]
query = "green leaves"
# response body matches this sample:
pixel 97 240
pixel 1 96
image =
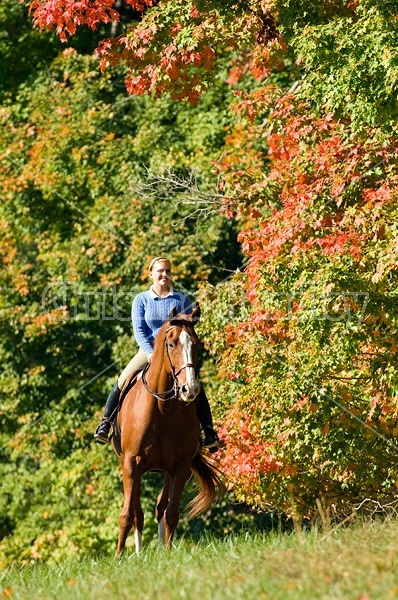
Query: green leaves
pixel 348 63
pixel 79 228
pixel 97 182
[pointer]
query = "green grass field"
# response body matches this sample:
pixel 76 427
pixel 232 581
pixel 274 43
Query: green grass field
pixel 360 562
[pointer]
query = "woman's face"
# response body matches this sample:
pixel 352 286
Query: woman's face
pixel 161 273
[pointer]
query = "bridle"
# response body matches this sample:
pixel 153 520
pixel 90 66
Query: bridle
pixel 173 392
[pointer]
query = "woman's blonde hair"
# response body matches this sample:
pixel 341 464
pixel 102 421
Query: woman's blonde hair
pixel 157 259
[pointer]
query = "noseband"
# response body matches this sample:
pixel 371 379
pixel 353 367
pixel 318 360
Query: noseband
pixel 173 392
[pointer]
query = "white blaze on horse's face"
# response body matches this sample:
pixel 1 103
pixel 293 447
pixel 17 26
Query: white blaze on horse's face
pixel 190 389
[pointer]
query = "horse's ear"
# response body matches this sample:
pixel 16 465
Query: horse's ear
pixel 195 316
pixel 173 313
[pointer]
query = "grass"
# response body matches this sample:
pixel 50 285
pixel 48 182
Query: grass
pixel 360 562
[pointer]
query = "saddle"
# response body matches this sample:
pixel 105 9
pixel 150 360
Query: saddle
pixel 116 437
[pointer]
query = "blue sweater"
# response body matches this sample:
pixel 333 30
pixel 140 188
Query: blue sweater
pixel 149 312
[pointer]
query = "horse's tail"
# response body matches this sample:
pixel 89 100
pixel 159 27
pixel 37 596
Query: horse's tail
pixel 211 487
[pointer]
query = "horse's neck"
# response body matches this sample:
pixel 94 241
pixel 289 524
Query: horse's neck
pixel 158 379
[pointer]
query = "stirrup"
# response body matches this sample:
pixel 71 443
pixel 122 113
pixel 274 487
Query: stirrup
pixel 209 441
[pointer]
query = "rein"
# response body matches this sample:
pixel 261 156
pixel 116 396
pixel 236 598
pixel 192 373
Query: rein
pixel 175 390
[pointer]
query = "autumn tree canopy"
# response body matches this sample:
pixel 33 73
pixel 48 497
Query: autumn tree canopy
pixel 287 111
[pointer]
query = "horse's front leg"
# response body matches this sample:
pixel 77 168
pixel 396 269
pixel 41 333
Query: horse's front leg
pixel 172 512
pixel 131 516
pixel 161 505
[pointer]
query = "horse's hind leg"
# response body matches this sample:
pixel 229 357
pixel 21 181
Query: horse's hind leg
pixel 131 516
pixel 161 505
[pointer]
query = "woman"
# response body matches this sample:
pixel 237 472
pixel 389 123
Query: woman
pixel 150 310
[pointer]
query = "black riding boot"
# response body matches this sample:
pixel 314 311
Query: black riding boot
pixel 102 431
pixel 210 440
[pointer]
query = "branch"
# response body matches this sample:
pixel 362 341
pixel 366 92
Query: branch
pixel 206 199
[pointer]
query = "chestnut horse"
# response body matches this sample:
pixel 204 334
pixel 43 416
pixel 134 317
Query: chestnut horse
pixel 160 432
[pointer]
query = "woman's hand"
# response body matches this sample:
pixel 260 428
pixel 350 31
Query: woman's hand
pixel 150 357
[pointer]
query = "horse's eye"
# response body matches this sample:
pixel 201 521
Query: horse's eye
pixel 170 345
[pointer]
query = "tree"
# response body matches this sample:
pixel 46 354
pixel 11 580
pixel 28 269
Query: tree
pixel 311 363
pixel 78 235
pixel 313 383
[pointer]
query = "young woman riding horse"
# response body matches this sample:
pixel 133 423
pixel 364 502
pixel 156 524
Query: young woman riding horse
pixel 150 310
pixel 158 430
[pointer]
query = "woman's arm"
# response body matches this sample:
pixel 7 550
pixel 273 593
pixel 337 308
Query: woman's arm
pixel 142 333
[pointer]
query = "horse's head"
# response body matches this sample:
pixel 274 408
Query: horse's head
pixel 181 352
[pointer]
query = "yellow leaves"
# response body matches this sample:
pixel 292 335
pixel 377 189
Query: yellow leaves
pixel 62 110
pixel 9 253
pixel 38 324
pixel 27 418
pixel 5 113
pixel 80 154
pixel 14 185
pixel 378 274
pixel 105 281
pixel 7 592
pixel 30 130
pixel 21 284
pixel 36 370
